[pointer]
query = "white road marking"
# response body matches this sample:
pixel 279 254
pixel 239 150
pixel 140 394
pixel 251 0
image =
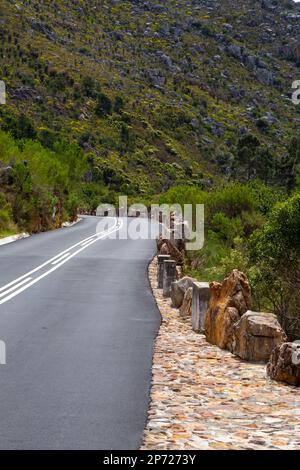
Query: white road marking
pixel 15 287
pixel 52 259
pixel 60 262
pixel 61 258
pixel 85 243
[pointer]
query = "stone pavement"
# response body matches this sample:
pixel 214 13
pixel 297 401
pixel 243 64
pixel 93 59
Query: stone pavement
pixel 205 398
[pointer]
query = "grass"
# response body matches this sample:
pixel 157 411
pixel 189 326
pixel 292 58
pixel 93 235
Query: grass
pixel 7 233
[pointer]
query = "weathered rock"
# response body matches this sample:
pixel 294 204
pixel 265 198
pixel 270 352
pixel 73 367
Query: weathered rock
pixel 284 364
pixel 235 51
pixel 43 28
pixel 178 290
pixel 24 93
pixel 256 335
pixel 167 247
pixel 186 307
pixel 156 78
pixel 201 296
pixel 228 302
pixel 6 175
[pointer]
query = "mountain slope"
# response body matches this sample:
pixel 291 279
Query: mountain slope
pixel 156 94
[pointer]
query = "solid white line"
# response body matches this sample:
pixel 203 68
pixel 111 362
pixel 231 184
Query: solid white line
pixel 42 276
pixel 51 260
pixel 85 243
pixel 62 257
pixel 15 287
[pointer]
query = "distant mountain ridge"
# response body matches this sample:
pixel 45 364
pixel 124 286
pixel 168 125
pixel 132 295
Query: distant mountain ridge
pixel 155 93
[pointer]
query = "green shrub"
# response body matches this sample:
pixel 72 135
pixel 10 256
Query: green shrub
pixel 5 213
pixel 275 250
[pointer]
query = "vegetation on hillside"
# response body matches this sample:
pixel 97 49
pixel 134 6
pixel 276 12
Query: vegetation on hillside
pixel 253 228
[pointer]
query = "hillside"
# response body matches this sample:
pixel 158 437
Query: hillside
pixel 156 94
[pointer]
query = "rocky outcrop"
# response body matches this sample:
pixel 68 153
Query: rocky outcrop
pixel 228 302
pixel 178 290
pixel 24 93
pixel 166 247
pixel 6 175
pixel 256 335
pixel 284 364
pixel 186 307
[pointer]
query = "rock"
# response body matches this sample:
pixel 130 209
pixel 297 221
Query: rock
pixel 166 247
pixel 178 290
pixel 43 28
pixel 270 118
pixel 228 302
pixel 201 296
pixel 256 335
pixel 215 127
pixel 235 51
pixel 6 176
pixel 156 78
pixel 195 123
pixel 166 60
pixel 186 307
pixel 284 364
pixel 265 76
pixel 24 93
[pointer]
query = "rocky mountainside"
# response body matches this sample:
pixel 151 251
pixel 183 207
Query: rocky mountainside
pixel 156 93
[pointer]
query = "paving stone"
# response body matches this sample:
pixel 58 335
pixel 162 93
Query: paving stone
pixel 206 398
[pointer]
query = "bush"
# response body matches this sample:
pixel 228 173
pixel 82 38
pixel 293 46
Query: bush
pixel 227 228
pixel 276 251
pixel 41 180
pixel 5 213
pixel 103 106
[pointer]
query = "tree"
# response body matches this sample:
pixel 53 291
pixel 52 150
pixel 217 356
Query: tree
pixel 104 105
pixel 119 104
pixel 246 156
pixel 88 86
pixel 264 165
pixel 276 251
pixel 5 213
pixel 20 127
pixel 287 166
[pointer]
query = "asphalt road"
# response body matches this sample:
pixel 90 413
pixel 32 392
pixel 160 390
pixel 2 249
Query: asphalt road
pixel 79 324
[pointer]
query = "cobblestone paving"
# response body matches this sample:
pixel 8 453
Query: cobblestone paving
pixel 206 398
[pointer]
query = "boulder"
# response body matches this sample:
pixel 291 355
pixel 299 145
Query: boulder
pixel 167 247
pixel 256 335
pixel 6 175
pixel 178 290
pixel 186 307
pixel 228 302
pixel 284 364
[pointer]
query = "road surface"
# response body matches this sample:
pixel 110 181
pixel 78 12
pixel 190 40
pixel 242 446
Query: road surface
pixel 78 320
